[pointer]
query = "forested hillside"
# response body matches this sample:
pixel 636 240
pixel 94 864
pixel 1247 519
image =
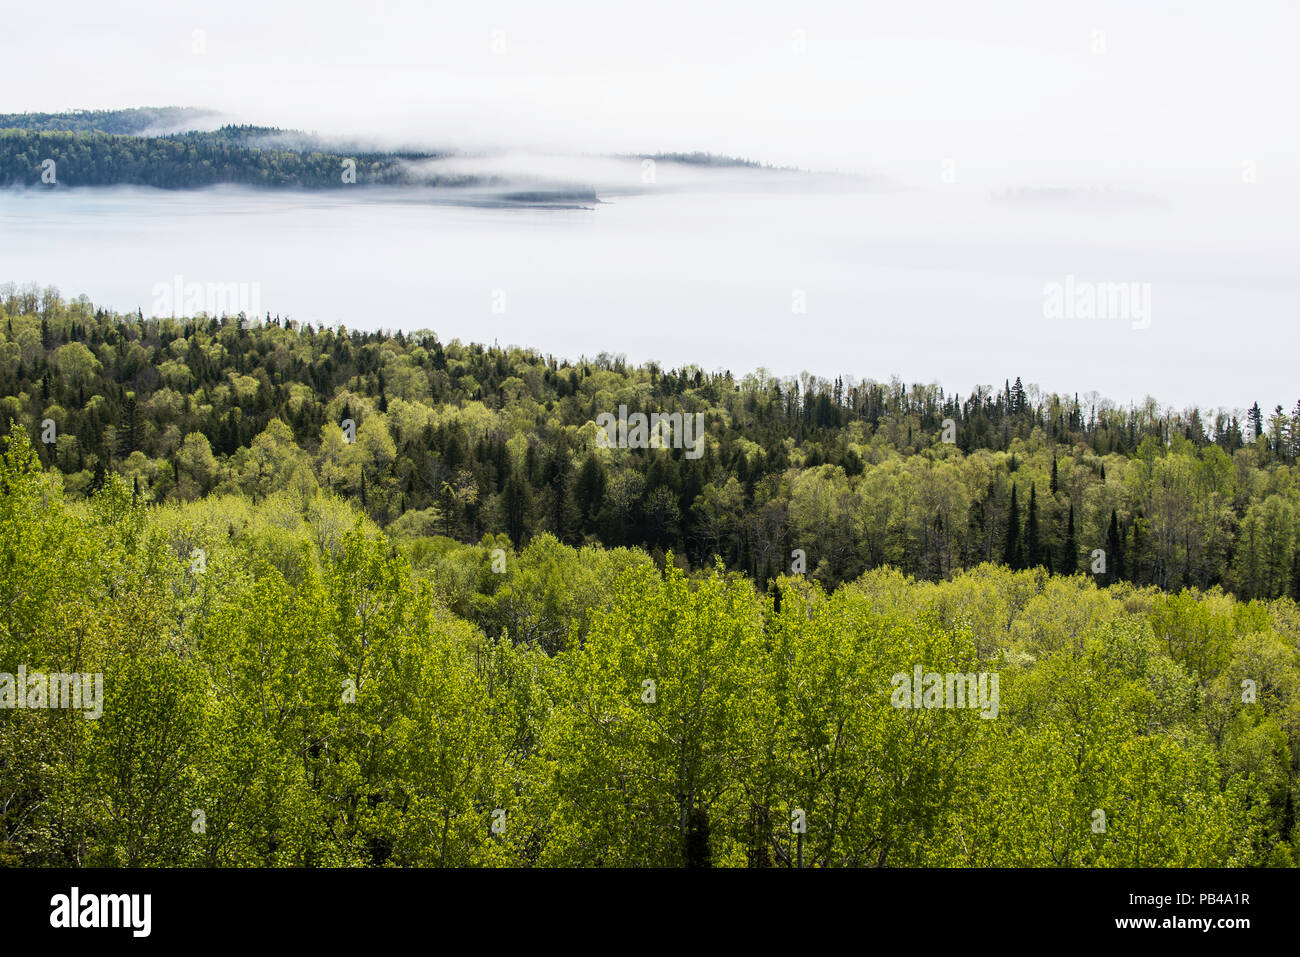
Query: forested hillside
pixel 463 441
pixel 231 155
pixel 159 147
pixel 471 634
pixel 284 685
pixel 132 122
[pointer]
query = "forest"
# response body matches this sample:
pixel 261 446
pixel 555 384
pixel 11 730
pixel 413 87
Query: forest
pixel 462 440
pixel 137 121
pixel 238 155
pixel 377 599
pixel 159 147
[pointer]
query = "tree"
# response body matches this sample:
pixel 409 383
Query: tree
pixel 1255 421
pixel 516 504
pixel 1035 553
pixel 1012 552
pixel 652 722
pixel 718 513
pixel 196 466
pixel 271 460
pixel 589 489
pixel 1115 549
pixel 1068 563
pixel 76 363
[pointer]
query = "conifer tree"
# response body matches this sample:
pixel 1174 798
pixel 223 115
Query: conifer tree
pixel 1011 554
pixel 1035 556
pixel 1068 563
pixel 1114 549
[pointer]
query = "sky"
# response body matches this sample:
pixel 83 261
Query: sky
pixel 1076 92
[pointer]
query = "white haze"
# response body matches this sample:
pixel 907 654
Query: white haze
pixel 993 148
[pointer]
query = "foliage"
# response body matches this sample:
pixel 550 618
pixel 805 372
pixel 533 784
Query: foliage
pixel 286 685
pixel 464 442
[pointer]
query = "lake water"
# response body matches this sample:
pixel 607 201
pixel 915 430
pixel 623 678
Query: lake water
pixel 733 271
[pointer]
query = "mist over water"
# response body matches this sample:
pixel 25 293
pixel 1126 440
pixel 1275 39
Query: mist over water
pixel 1152 139
pixel 712 267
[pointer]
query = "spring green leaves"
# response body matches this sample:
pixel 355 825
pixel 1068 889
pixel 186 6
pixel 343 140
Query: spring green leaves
pixel 309 693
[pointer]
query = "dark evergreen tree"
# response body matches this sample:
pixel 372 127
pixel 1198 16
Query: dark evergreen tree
pixel 1255 422
pixel 1114 549
pixel 1068 562
pixel 1011 553
pixel 589 490
pixel 516 505
pixel 1035 555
